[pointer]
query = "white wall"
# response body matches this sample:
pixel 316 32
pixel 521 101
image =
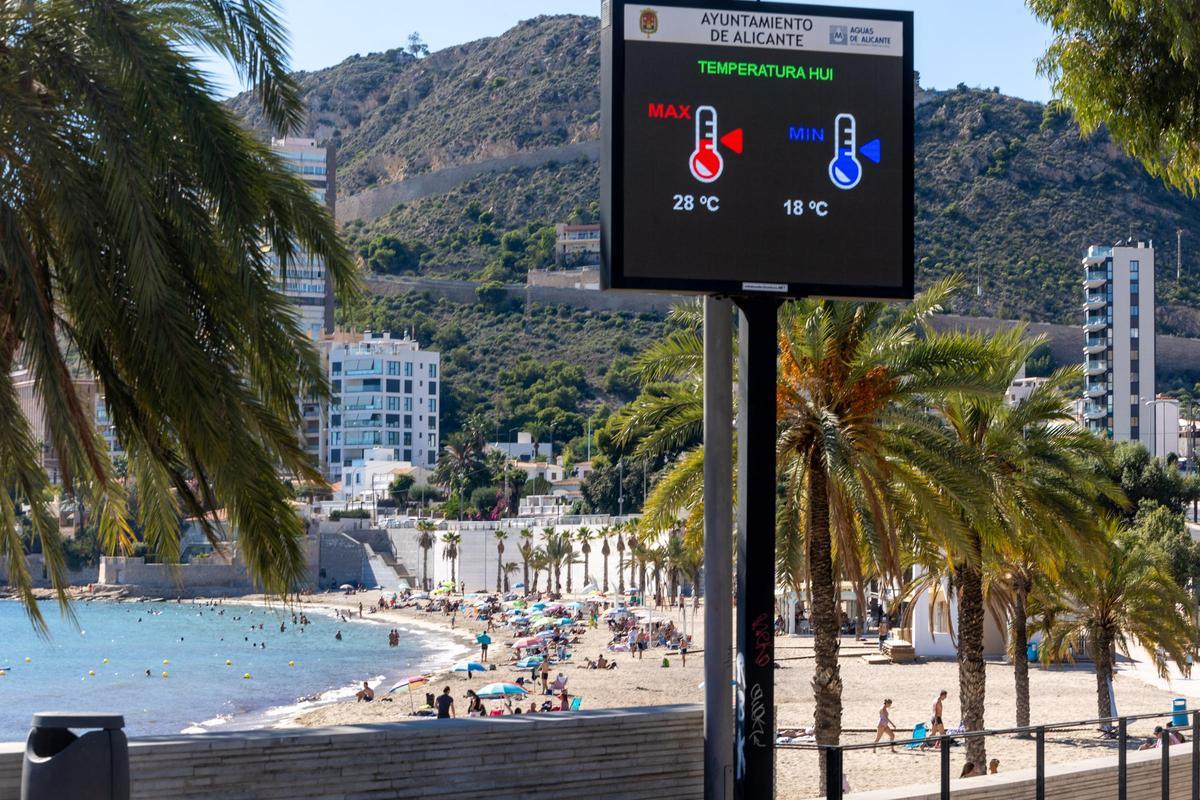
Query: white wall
pixel 929 644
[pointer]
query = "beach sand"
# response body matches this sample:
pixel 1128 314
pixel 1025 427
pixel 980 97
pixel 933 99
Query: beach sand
pixel 1062 693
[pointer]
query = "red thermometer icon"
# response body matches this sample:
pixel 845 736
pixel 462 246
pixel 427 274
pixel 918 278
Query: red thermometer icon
pixel 705 162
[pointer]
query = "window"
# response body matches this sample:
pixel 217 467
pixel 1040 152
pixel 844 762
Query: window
pixel 393 368
pixel 393 438
pixel 433 405
pixel 941 616
pixel 408 455
pixel 1133 312
pixel 432 439
pixel 393 386
pixel 433 423
pixel 337 368
pixel 1133 332
pixel 408 439
pixel 392 420
pixel 408 387
pixel 408 369
pixel 336 420
pixel 433 370
pixel 433 387
pixel 1133 268
pixel 408 420
pixel 393 404
pixel 335 455
pixel 431 458
pixel 408 404
pixel 337 386
pixel 1133 398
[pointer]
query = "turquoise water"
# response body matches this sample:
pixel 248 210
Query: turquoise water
pixel 200 692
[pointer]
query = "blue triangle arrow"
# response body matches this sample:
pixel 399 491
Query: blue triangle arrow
pixel 871 150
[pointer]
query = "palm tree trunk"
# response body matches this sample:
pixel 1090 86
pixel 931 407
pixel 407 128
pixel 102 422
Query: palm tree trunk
pixel 558 578
pixel 587 557
pixel 1104 668
pixel 971 675
pixel 499 566
pixel 827 679
pixel 525 567
pixel 1021 652
pixel 621 572
pixel 569 557
pixel 425 568
pixel 604 588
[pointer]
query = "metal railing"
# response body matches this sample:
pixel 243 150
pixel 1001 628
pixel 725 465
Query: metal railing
pixel 834 767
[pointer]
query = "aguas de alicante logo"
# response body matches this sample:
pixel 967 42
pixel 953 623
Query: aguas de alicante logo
pixel 648 21
pixel 838 34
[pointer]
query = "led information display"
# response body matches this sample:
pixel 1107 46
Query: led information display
pixel 757 148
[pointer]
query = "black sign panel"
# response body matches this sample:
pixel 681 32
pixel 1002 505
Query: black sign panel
pixel 757 148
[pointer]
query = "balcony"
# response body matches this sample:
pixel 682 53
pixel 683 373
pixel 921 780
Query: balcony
pixel 374 404
pixel 1091 411
pixel 1096 390
pixel 362 423
pixel 1094 279
pixel 1095 367
pixel 1095 303
pixel 1091 348
pixel 1097 254
pixel 1095 323
pixel 363 439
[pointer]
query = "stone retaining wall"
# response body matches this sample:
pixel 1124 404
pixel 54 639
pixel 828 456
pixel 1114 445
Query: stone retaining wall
pixel 626 754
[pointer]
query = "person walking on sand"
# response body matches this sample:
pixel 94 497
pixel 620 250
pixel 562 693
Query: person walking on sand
pixel 885 628
pixel 545 670
pixel 885 726
pixel 484 640
pixel 445 704
pixel 936 726
pixel 632 640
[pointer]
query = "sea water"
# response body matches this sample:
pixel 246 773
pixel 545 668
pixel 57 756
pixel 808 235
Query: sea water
pixel 191 643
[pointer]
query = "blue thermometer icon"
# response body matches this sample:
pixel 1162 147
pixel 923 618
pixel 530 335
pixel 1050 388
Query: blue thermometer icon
pixel 844 169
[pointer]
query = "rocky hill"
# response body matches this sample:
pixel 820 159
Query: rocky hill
pixel 1007 191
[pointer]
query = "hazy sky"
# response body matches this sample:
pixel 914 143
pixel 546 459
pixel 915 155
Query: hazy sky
pixel 976 42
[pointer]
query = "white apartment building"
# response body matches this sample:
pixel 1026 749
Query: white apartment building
pixel 384 395
pixel 306 283
pixel 1119 341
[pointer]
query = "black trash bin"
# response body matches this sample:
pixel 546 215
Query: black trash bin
pixel 62 765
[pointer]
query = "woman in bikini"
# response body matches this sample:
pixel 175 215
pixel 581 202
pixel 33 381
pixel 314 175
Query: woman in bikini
pixel 885 726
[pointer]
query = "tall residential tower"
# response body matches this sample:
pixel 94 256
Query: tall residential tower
pixel 1119 342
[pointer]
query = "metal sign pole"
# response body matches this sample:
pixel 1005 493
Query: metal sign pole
pixel 754 739
pixel 718 548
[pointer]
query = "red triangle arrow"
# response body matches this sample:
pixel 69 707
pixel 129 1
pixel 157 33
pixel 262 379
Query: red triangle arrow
pixel 733 140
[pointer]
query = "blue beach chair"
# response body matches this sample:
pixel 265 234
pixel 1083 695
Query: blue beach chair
pixel 920 732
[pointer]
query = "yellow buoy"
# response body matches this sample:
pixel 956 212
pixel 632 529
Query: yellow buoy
pixel 166 661
pixel 228 662
pixel 92 672
pixel 2 673
pixel 105 661
pixel 246 677
pixel 28 659
pixel 291 663
pixel 164 673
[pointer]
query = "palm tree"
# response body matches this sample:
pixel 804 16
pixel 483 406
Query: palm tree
pixel 500 535
pixel 1125 595
pixel 509 568
pixel 605 550
pixel 558 550
pixel 1037 464
pixel 584 536
pixel 526 549
pixel 620 562
pixel 425 540
pixel 141 221
pixel 539 561
pixel 450 543
pixel 862 460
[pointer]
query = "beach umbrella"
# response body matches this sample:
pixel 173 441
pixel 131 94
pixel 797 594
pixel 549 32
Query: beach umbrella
pixel 496 690
pixel 530 641
pixel 575 606
pixel 547 634
pixel 469 667
pixel 538 606
pixel 345 586
pixel 529 661
pixel 519 585
pixel 591 588
pixel 420 595
pixel 412 681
